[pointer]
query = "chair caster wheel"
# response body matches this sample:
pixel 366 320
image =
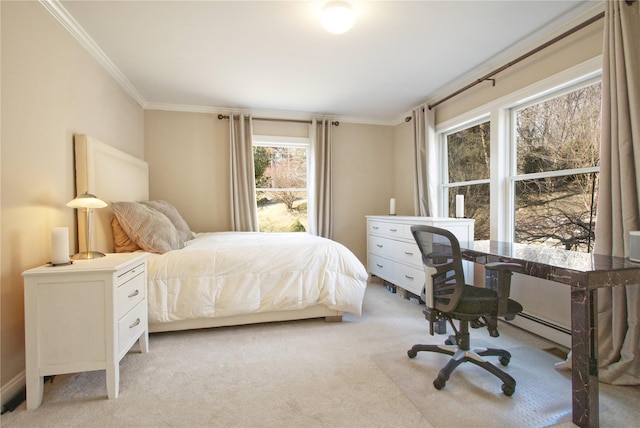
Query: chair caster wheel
pixel 508 390
pixel 439 383
pixel 505 361
pixel 411 353
pixel 448 342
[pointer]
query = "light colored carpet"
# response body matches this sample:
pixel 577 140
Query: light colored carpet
pixel 316 374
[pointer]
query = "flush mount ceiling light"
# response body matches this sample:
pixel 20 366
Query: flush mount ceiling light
pixel 338 17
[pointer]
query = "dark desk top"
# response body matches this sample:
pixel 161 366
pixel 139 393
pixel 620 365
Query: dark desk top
pixel 580 270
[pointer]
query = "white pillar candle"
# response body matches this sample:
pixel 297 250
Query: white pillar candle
pixel 59 245
pixel 392 206
pixel 459 206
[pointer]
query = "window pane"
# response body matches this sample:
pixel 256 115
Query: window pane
pixel 275 216
pixel 468 153
pixel 476 206
pixel 557 211
pixel 561 133
pixel 281 188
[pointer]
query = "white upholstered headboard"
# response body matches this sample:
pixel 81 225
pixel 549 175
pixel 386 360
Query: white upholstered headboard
pixel 113 176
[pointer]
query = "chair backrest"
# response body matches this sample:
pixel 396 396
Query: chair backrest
pixel 442 260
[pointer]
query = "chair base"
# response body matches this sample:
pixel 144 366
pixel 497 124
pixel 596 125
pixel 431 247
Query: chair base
pixel 459 356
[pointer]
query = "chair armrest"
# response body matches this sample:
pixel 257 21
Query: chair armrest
pixel 503 285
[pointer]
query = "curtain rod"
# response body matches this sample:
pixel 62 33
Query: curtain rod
pixel 267 119
pixel 520 58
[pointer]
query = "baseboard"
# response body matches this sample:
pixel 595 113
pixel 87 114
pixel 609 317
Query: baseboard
pixel 13 388
pixel 542 327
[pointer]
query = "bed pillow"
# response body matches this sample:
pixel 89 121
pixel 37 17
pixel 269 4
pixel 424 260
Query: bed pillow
pixel 174 216
pixel 121 241
pixel 149 229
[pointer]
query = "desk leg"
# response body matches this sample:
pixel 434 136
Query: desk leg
pixel 584 346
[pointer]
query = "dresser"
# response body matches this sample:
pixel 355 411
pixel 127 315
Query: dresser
pixel 82 317
pixel 393 255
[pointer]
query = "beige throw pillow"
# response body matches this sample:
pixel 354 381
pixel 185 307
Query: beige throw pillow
pixel 149 229
pixel 121 241
pixel 174 216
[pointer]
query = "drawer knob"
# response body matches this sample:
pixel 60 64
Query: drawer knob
pixel 379 245
pixel 135 323
pixel 375 227
pixel 134 294
pixel 393 230
pixel 409 277
pixel 379 265
pixel 408 253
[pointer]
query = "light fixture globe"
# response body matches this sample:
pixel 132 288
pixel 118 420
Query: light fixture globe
pixel 338 17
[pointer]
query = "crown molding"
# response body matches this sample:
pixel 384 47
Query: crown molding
pixel 71 25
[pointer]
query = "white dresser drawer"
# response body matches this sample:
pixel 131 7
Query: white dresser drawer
pixel 409 278
pixel 381 246
pixel 381 267
pixel 375 227
pixel 131 292
pixel 408 252
pixel 131 326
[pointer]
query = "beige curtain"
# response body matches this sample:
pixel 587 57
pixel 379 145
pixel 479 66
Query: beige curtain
pixel 619 190
pixel 244 213
pixel 425 184
pixel 320 190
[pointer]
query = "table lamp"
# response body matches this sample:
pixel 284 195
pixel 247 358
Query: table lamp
pixel 88 202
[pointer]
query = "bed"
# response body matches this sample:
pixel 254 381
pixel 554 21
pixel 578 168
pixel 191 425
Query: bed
pixel 219 278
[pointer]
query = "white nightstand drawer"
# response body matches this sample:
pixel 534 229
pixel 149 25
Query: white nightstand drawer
pixel 131 292
pixel 131 326
pixel 130 273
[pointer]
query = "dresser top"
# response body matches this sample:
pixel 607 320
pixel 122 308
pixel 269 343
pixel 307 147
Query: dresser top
pixel 409 218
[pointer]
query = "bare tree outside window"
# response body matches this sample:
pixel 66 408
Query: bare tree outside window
pixel 468 154
pixel 557 157
pixel 281 187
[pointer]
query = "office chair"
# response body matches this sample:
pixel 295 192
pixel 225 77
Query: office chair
pixel 448 297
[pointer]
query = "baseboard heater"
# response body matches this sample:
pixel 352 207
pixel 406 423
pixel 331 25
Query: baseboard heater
pixel 549 330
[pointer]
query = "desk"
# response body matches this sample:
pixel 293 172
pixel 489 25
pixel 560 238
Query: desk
pixel 585 273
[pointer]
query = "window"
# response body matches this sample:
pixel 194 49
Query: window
pixel 527 163
pixel 556 158
pixel 467 154
pixel 281 165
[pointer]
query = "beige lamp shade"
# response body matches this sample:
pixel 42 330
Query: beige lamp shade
pixel 88 203
pixel 86 200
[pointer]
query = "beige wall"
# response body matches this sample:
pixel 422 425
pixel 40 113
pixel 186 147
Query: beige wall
pixel 51 88
pixel 575 49
pixel 363 180
pixel 404 168
pixel 188 155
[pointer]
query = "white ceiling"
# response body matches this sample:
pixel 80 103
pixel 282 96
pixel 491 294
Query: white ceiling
pixel 273 56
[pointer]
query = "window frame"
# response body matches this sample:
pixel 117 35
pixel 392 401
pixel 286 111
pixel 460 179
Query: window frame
pixel 503 157
pixel 445 184
pixel 259 140
pixel 514 177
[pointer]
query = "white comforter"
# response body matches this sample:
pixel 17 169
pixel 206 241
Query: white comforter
pixel 230 273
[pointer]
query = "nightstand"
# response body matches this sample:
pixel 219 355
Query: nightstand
pixel 83 317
